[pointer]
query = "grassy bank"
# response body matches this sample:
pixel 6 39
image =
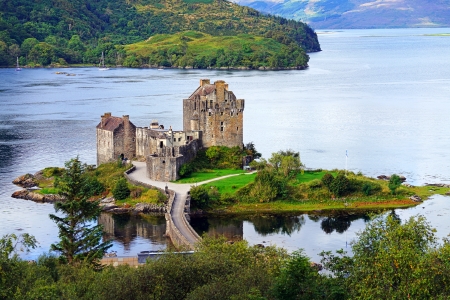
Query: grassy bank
pixel 306 192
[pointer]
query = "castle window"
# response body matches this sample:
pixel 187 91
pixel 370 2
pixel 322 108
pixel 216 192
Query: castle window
pixel 209 113
pixel 195 105
pixel 210 103
pixel 164 161
pixel 221 123
pixel 237 128
pixel 221 113
pixel 231 114
pixel 221 128
pixel 161 144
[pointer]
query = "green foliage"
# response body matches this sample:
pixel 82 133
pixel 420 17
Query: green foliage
pixel 286 163
pixel 297 279
pixel 121 191
pixel 80 242
pixel 93 187
pixel 42 33
pixel 327 180
pixel 186 170
pixel 52 171
pixel 203 196
pixel 340 185
pixel 394 183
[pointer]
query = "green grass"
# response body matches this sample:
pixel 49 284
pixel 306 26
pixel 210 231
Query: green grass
pixel 231 184
pixel 202 176
pixel 311 175
pixel 198 1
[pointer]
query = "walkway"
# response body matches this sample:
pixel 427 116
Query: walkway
pixel 181 190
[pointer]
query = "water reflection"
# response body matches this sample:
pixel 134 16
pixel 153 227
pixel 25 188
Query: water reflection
pixel 126 229
pixel 277 224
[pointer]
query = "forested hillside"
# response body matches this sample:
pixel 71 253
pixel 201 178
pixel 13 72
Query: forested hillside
pixel 77 32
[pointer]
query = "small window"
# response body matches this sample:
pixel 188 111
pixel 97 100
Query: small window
pixel 221 113
pixel 221 128
pixel 231 114
pixel 221 123
pixel 161 144
pixel 209 113
pixel 237 128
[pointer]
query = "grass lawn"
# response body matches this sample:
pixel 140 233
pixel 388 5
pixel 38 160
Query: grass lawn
pixel 231 184
pixel 202 176
pixel 311 175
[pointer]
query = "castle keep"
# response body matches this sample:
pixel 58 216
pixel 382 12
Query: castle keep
pixel 212 116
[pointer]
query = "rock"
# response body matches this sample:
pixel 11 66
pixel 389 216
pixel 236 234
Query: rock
pixel 448 193
pixel 108 206
pixel 147 207
pixel 383 177
pixel 27 195
pixel 316 266
pixel 25 181
pixel 402 178
pixel 107 200
pixel 415 198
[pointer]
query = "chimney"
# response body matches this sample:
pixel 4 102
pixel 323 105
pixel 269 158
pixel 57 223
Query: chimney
pixel 220 90
pixel 126 118
pixel 226 86
pixel 103 118
pixel 204 81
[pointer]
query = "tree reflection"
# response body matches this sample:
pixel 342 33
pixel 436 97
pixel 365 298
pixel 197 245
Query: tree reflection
pixel 265 225
pixel 339 223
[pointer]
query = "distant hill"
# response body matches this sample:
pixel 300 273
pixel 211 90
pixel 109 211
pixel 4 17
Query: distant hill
pixel 329 14
pixel 77 31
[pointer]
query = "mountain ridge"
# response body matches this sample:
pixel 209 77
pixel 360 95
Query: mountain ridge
pixel 353 14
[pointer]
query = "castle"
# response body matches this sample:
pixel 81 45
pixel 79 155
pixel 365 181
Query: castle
pixel 212 116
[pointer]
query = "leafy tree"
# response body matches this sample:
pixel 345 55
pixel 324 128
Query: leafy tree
pixel 121 190
pixel 297 279
pixel 80 241
pixel 286 162
pixel 340 185
pixel 394 183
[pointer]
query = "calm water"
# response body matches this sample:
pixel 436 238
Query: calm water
pixel 380 94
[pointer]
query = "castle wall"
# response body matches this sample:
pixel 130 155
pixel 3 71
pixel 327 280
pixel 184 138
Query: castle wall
pixel 165 165
pixel 105 146
pixel 217 113
pixel 142 142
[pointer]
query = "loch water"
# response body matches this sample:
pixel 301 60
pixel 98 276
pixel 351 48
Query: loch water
pixel 381 95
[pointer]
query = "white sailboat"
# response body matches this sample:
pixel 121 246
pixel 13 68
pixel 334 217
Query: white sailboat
pixel 102 63
pixel 17 65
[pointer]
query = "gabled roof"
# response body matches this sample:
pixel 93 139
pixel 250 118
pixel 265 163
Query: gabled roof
pixel 110 123
pixel 204 90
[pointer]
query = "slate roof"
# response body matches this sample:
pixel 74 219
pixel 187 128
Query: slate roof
pixel 111 123
pixel 204 90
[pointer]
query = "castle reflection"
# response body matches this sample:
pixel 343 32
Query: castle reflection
pixel 124 228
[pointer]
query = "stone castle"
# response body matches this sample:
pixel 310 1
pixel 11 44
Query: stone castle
pixel 212 116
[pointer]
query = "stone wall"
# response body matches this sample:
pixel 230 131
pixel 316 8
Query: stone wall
pixel 142 142
pixel 215 111
pixel 105 142
pixel 165 165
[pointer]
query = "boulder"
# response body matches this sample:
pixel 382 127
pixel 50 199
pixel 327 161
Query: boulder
pixel 25 181
pixel 108 206
pixel 415 198
pixel 107 200
pixel 27 195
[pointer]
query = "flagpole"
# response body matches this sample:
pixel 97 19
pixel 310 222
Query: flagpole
pixel 346 156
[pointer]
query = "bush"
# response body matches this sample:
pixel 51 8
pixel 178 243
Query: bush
pixel 394 183
pixel 93 187
pixel 340 185
pixel 327 179
pixel 186 170
pixel 121 190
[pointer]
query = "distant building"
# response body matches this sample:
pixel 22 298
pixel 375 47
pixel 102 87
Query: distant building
pixel 212 116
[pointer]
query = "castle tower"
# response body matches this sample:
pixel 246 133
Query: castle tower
pixel 213 109
pixel 116 137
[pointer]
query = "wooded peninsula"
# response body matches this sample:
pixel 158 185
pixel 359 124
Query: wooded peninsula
pixel 150 33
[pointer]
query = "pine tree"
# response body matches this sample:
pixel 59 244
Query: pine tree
pixel 80 240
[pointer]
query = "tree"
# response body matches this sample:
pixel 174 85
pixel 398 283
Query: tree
pixel 297 279
pixel 286 163
pixel 340 185
pixel 121 190
pixel 394 183
pixel 391 260
pixel 80 241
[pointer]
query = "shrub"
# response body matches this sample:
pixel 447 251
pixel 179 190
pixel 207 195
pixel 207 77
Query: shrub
pixel 315 184
pixel 394 183
pixel 186 170
pixel 340 185
pixel 121 190
pixel 93 187
pixel 327 179
pixel 199 196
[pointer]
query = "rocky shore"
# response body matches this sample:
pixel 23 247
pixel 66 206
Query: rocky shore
pixel 29 183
